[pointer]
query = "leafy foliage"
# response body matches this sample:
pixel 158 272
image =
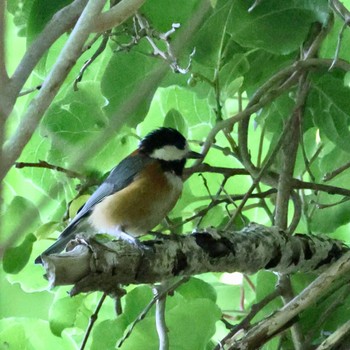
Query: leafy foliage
pixel 234 48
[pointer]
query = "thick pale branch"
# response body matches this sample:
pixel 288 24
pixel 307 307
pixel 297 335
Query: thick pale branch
pixel 95 266
pixel 116 15
pixel 51 85
pixel 61 22
pixel 3 72
pixel 268 327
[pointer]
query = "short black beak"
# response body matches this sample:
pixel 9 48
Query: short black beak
pixel 194 155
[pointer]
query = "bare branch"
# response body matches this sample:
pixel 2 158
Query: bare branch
pixel 51 85
pixel 3 72
pixel 46 165
pixel 60 23
pixel 160 315
pixel 102 267
pixel 270 326
pixel 142 315
pixel 93 319
pixel 335 338
pixel 245 323
pixel 116 15
pixel 329 176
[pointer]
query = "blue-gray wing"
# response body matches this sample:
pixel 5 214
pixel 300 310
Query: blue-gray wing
pixel 121 176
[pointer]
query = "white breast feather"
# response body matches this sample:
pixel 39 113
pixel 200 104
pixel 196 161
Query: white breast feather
pixel 175 181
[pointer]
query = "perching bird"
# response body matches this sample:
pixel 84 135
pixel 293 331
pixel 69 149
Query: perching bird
pixel 138 193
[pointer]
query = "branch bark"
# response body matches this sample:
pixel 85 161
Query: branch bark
pixel 268 327
pixel 93 266
pixel 116 15
pixel 51 85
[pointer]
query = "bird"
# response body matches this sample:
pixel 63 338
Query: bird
pixel 137 194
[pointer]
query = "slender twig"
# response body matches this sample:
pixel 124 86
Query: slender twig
pixel 92 321
pixel 88 62
pixel 160 316
pixel 329 309
pixel 289 152
pixel 259 100
pixel 91 42
pixel 331 175
pixel 330 205
pixel 306 160
pixel 262 171
pixel 287 295
pixel 271 179
pixel 144 312
pixel 46 165
pixel 335 338
pixel 340 38
pixel 245 323
pixel 340 10
pixel 250 282
pixel 231 199
pixel 297 212
pixel 29 91
pixel 143 29
pixel 270 326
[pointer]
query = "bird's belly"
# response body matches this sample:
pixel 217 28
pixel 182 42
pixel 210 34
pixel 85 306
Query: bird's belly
pixel 139 207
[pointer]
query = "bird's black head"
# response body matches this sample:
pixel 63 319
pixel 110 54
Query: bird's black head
pixel 169 147
pixel 167 140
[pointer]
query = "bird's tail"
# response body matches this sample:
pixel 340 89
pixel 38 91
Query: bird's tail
pixel 60 244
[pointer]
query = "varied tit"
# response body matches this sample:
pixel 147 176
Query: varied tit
pixel 138 193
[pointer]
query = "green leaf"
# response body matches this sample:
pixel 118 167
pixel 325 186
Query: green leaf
pixel 213 217
pixel 76 204
pixel 330 110
pixel 235 68
pixel 274 116
pixel 13 337
pixel 183 332
pixel 196 288
pixel 186 334
pixel 163 13
pixel 30 334
pixel 21 215
pixel 266 284
pixel 174 119
pixel 198 114
pixel 106 334
pixel 74 121
pixel 262 66
pixel 47 229
pixel 41 12
pixel 122 86
pixel 136 301
pixel 67 312
pixel 339 213
pixel 329 45
pixel 16 258
pixel 209 39
pixel 20 9
pixel 270 24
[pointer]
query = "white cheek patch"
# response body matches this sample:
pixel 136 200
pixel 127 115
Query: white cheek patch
pixel 169 153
